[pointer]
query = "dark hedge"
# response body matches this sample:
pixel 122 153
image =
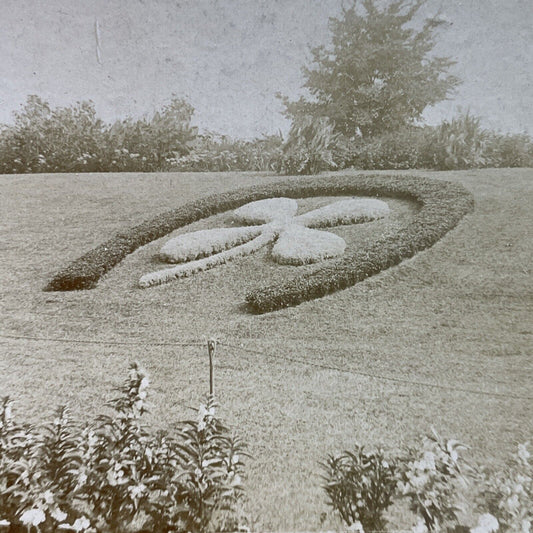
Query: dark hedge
pixel 443 204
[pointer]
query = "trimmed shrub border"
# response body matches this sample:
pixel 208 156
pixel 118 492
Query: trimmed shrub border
pixel 443 205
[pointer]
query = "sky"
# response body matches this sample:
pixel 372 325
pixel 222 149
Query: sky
pixel 229 58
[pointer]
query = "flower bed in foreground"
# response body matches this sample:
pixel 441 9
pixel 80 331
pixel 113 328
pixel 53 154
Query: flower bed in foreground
pixel 442 205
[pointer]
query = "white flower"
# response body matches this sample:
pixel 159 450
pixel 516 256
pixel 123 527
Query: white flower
pixel 428 463
pixel 48 497
pixel 81 524
pixel 58 515
pixel 32 517
pixel 486 524
pixel 418 482
pixel 356 527
pixel 420 527
pixel 512 503
pixel 137 490
pixel 523 453
pixel 5 523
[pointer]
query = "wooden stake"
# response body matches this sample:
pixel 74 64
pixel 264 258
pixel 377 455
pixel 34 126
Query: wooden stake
pixel 211 347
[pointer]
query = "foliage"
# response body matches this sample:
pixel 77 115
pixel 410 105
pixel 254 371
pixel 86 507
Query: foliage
pixel 436 481
pixel 360 486
pixel 73 139
pixel 310 146
pixel 43 139
pixel 388 151
pixel 114 476
pixel 509 151
pixel 150 145
pixel 428 479
pixel 507 494
pixel 219 153
pixel 378 74
pixel 458 144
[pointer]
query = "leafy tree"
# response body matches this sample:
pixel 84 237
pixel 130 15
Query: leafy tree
pixel 378 73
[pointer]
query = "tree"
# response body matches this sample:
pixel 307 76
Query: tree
pixel 378 73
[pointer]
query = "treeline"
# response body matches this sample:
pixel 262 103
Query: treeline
pixel 73 139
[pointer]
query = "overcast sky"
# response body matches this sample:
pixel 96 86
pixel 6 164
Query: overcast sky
pixel 230 57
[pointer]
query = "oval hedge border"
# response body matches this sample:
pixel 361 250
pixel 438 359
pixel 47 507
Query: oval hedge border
pixel 442 205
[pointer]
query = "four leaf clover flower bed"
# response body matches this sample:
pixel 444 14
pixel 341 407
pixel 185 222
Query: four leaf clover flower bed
pixel 297 243
pixel 441 206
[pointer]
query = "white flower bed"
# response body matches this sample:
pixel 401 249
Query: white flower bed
pixel 298 245
pixel 204 243
pixel 264 211
pixel 352 211
pixel 186 269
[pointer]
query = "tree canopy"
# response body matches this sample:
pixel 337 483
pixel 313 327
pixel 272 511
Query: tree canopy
pixel 378 73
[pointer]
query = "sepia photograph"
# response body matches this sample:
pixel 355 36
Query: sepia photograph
pixel 266 266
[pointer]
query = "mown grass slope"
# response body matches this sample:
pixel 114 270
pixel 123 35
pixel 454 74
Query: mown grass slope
pixel 297 383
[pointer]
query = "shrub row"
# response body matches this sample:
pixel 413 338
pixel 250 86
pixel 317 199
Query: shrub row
pixel 453 145
pixel 443 206
pixel 74 139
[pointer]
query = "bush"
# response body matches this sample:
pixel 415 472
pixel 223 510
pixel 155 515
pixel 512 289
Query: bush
pixel 458 144
pixel 436 482
pixel 73 139
pixel 428 478
pixel 360 486
pixel 455 145
pixel 150 145
pixel 114 476
pixel 508 151
pixel 507 494
pixel 443 206
pixel 60 140
pixel 218 153
pixel 311 146
pixel 398 150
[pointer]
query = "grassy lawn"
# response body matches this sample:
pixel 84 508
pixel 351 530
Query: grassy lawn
pixel 297 383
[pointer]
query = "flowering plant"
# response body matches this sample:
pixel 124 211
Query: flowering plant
pixel 507 495
pixel 114 475
pixel 360 486
pixel 430 478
